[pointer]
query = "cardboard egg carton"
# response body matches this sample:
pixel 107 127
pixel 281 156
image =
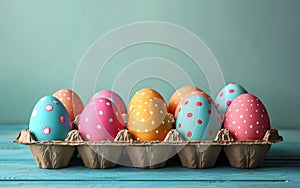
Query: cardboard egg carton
pixel 149 154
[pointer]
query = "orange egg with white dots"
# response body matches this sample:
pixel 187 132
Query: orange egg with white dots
pixel 71 102
pixel 148 119
pixel 177 97
pixel 145 93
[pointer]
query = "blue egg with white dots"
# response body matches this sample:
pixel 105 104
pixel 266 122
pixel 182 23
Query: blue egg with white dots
pixel 198 119
pixel 49 120
pixel 227 95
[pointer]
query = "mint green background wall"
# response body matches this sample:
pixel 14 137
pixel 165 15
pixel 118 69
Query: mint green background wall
pixel 256 43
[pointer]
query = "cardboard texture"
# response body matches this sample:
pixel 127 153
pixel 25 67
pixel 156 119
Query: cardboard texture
pixel 47 154
pixel 96 156
pixel 152 154
pixel 195 155
pixel 52 156
pixel 248 154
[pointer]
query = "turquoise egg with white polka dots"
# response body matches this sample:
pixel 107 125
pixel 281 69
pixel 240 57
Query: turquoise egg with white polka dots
pixel 49 120
pixel 198 119
pixel 227 95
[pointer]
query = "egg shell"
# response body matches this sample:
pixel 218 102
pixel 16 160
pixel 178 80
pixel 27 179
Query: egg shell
pixel 71 102
pixel 198 119
pixel 113 97
pixel 247 118
pixel 190 94
pixel 145 93
pixel 177 97
pixel 49 120
pixel 100 120
pixel 148 119
pixel 227 95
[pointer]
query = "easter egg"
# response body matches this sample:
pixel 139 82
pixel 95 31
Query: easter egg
pixel 247 118
pixel 198 119
pixel 113 97
pixel 176 98
pixel 49 120
pixel 71 102
pixel 148 119
pixel 100 120
pixel 145 93
pixel 190 94
pixel 227 95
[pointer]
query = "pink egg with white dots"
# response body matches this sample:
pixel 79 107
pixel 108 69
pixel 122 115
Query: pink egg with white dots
pixel 100 120
pixel 113 97
pixel 247 118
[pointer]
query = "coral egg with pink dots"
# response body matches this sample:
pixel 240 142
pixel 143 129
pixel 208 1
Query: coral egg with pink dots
pixel 70 100
pixel 247 118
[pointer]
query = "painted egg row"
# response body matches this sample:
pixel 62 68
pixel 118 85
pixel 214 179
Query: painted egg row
pixel 149 117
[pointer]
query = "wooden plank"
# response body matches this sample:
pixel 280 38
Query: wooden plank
pixel 151 184
pixel 27 170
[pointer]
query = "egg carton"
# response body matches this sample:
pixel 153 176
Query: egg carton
pixel 152 154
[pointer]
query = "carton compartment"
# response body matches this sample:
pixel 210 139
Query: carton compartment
pixel 197 155
pixel 99 156
pixel 52 156
pixel 246 155
pixel 249 153
pixel 149 155
pixel 47 154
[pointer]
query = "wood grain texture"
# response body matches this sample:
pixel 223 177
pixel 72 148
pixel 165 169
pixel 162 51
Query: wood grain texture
pixel 18 169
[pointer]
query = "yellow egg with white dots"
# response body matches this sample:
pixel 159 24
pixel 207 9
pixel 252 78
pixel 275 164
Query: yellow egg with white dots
pixel 148 118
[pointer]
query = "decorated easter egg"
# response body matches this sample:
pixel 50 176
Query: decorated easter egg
pixel 113 97
pixel 247 118
pixel 148 119
pixel 198 119
pixel 49 120
pixel 190 94
pixel 145 93
pixel 227 95
pixel 177 97
pixel 71 101
pixel 100 120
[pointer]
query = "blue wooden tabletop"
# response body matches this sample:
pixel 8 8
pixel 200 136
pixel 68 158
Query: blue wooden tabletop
pixel 18 168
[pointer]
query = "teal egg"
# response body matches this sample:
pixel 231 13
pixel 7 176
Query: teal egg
pixel 198 119
pixel 227 95
pixel 49 120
